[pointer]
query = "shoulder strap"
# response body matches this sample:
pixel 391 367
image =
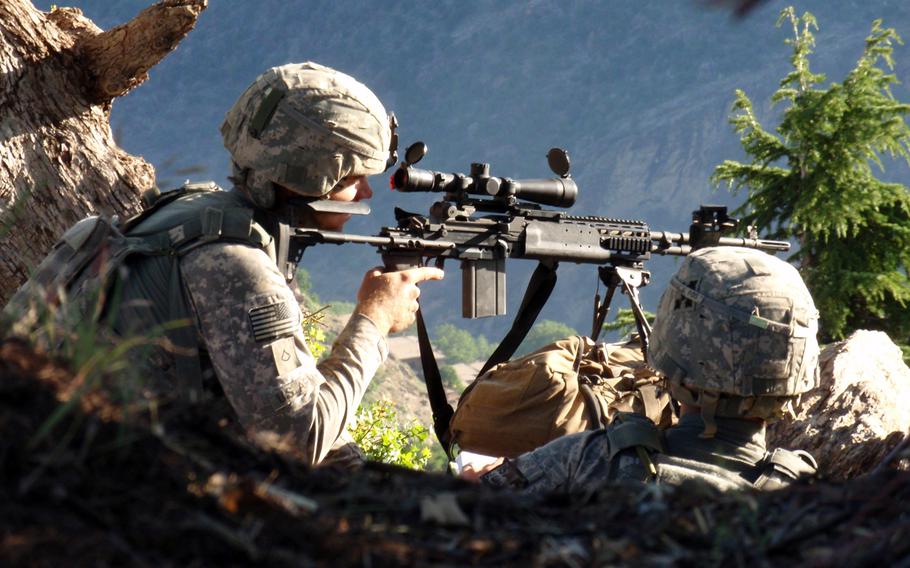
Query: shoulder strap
pixel 217 224
pixel 211 223
pixel 153 206
pixel 436 393
pixel 539 288
pixel 634 431
pixel 781 467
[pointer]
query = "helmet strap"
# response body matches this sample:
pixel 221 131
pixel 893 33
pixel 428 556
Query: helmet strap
pixel 706 401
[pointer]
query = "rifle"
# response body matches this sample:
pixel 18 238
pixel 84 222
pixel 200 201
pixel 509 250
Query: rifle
pixel 515 226
pixel 482 220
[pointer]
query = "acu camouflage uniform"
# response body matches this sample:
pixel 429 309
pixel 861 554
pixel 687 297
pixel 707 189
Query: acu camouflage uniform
pixel 248 322
pixel 212 256
pixel 735 458
pixel 207 257
pixel 735 337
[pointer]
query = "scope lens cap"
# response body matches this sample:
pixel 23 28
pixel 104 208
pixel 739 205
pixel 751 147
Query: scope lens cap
pixel 415 153
pixel 558 159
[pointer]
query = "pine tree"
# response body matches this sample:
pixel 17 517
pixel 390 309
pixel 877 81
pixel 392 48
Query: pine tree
pixel 814 180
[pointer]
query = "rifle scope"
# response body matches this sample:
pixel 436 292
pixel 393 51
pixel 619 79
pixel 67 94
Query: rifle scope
pixel 557 192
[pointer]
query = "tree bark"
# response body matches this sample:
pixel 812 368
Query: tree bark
pixel 59 74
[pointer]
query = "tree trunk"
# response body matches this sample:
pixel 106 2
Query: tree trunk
pixel 59 74
pixel 859 413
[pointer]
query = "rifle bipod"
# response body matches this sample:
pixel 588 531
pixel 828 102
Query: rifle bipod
pixel 628 279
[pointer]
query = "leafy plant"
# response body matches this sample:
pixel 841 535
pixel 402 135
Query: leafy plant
pixel 305 285
pixel 376 429
pixel 104 366
pixel 314 331
pixel 813 179
pixel 459 346
pixel 450 378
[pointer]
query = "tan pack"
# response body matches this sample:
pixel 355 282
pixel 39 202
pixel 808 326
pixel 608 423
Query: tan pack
pixel 568 386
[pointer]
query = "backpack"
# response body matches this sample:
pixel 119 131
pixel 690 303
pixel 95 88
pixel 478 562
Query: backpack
pixel 77 279
pixel 568 386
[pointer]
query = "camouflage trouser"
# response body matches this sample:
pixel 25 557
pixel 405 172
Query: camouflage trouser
pixel 569 463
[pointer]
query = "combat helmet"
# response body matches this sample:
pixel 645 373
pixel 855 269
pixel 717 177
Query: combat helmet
pixel 735 334
pixel 306 126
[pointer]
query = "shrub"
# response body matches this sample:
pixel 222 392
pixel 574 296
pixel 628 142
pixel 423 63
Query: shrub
pixel 459 346
pixel 376 429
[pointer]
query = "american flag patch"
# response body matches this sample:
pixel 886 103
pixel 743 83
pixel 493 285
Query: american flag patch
pixel 273 321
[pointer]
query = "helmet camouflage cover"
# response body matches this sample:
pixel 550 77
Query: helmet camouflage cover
pixel 305 126
pixel 737 322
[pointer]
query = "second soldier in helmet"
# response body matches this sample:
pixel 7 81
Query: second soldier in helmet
pixel 735 338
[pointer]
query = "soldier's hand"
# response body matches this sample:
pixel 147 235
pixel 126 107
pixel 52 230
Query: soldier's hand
pixel 389 299
pixel 473 472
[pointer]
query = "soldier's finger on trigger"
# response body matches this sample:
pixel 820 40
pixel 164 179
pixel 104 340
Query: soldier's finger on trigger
pixel 421 274
pixel 432 273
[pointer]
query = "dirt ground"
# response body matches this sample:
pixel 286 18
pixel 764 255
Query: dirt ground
pixel 185 488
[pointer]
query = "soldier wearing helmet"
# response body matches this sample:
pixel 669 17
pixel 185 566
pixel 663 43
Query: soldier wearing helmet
pixel 301 130
pixel 302 138
pixel 735 338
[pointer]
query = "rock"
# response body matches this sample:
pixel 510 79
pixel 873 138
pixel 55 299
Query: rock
pixel 860 411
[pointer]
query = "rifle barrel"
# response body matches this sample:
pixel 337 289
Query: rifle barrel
pixel 679 244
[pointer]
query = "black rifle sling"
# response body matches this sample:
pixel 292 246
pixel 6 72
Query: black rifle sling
pixel 539 288
pixel 442 410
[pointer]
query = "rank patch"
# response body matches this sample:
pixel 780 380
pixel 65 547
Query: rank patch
pixel 273 320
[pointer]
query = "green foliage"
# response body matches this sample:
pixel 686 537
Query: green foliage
pixel 314 328
pixel 813 180
pixel 314 331
pixel 543 332
pixel 624 322
pixel 305 285
pixel 382 438
pixel 459 346
pixel 438 461
pixel 450 377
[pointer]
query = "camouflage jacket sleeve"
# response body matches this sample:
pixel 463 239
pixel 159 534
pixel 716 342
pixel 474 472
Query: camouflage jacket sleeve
pixel 250 324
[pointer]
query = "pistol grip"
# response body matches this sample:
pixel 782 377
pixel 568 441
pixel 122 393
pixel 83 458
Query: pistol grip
pixel 399 262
